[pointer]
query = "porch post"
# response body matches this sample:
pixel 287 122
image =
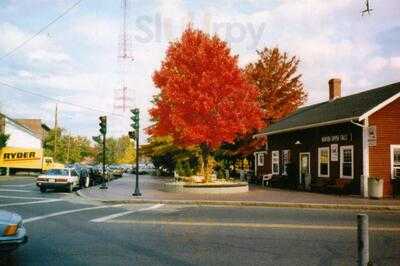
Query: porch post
pixel 255 164
pixel 364 177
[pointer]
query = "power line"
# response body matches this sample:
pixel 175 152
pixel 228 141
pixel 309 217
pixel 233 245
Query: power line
pixel 58 101
pixel 9 53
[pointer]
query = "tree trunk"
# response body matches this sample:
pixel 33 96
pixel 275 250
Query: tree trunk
pixel 205 151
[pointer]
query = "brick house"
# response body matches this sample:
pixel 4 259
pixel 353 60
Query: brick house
pixel 345 139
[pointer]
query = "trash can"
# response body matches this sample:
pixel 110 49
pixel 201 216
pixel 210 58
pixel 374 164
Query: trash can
pixel 375 187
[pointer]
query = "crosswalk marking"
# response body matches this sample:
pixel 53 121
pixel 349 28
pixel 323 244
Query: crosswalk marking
pixel 32 219
pixel 18 197
pixel 113 216
pixel 26 185
pixel 29 202
pixel 15 190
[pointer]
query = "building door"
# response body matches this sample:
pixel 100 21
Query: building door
pixel 304 168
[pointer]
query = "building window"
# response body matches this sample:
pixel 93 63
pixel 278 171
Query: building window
pixel 395 160
pixel 275 162
pixel 346 162
pixel 323 162
pixel 286 160
pixel 260 159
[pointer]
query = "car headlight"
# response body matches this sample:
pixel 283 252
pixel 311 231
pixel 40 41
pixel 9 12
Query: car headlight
pixel 11 230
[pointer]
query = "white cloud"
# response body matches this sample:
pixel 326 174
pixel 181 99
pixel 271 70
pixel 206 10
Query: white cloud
pixel 395 62
pixel 377 64
pixel 41 49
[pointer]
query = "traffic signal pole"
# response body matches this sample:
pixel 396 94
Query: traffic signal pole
pixel 103 131
pixel 135 135
pixel 137 191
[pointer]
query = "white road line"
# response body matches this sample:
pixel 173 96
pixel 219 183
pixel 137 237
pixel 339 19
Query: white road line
pixel 29 202
pixel 14 190
pixel 32 219
pixel 17 197
pixel 26 185
pixel 113 216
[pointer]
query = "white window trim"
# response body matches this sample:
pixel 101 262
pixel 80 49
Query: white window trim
pixel 283 161
pixel 259 161
pixel 342 148
pixel 392 147
pixel 309 166
pixel 319 161
pixel 272 163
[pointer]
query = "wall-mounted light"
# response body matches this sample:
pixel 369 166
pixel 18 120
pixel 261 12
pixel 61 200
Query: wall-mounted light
pixel 297 142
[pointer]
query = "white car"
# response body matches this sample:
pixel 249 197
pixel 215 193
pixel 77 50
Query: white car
pixel 66 178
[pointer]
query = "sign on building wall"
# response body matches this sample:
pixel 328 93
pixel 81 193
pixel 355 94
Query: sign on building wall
pixel 334 152
pixel 372 136
pixel 336 138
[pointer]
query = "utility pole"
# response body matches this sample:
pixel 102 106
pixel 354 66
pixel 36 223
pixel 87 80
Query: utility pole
pixel 68 147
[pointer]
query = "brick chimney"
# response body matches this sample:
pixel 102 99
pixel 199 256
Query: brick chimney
pixel 335 89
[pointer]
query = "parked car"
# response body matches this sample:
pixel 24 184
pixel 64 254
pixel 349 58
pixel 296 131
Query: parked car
pixel 67 178
pixel 12 231
pixel 83 172
pixel 117 172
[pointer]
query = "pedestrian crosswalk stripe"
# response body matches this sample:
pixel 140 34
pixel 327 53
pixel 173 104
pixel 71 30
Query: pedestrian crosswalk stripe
pixel 18 197
pixel 32 219
pixel 29 202
pixel 15 190
pixel 116 215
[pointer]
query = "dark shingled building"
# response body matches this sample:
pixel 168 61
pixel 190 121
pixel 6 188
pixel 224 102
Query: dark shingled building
pixel 341 141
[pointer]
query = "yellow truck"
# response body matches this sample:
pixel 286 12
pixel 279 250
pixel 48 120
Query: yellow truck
pixel 26 159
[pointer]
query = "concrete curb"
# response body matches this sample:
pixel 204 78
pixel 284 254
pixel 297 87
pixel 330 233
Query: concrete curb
pixel 249 204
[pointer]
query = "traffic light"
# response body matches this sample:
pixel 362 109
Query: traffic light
pixel 97 139
pixel 135 119
pixel 132 135
pixel 103 124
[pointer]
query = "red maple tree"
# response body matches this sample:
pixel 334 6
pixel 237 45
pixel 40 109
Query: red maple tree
pixel 279 84
pixel 204 97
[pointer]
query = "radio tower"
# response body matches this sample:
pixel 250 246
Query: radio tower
pixel 123 96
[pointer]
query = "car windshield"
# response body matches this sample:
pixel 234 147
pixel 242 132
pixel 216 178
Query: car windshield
pixel 57 172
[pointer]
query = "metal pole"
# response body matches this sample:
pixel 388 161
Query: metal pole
pixel 103 185
pixel 362 239
pixel 69 143
pixel 137 191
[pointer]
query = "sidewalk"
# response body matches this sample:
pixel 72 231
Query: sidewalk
pixel 120 191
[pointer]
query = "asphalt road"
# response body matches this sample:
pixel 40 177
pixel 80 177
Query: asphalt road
pixel 67 230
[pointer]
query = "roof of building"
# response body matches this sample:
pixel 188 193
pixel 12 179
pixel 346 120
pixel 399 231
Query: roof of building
pixel 17 123
pixel 352 107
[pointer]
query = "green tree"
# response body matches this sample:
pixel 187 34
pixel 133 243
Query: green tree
pixel 3 140
pixel 69 148
pixel 118 150
pixel 166 156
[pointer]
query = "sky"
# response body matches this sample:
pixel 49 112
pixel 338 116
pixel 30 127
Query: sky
pixel 76 59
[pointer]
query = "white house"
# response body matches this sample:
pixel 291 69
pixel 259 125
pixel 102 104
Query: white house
pixel 20 136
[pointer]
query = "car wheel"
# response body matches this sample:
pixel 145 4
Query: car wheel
pixel 43 189
pixel 87 182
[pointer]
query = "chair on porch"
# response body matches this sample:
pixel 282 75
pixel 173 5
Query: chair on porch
pixel 266 180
